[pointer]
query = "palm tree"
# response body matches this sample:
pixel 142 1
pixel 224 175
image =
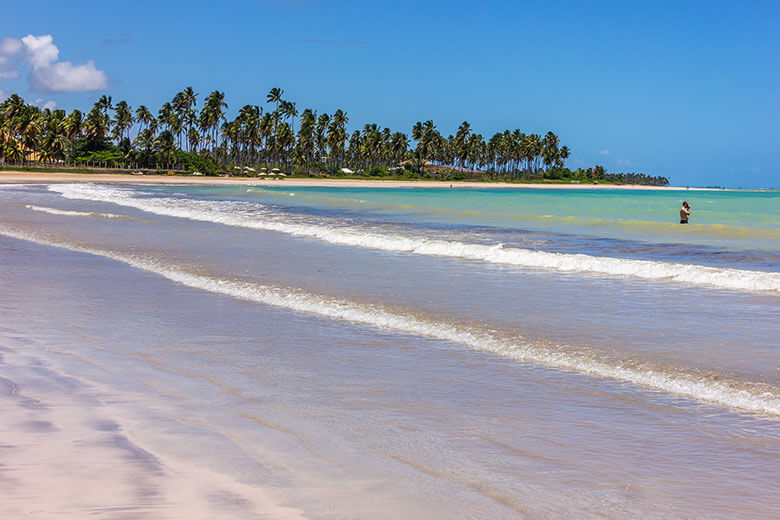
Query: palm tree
pixel 399 147
pixel 320 136
pixel 275 96
pixel 459 143
pixel 193 139
pixel 427 137
pixel 289 111
pixel 212 115
pixel 183 107
pixel 563 154
pixel 12 106
pixel 337 135
pixel 104 104
pixel 123 120
pixel 13 151
pixel 306 136
pixel 95 128
pixel 165 147
pixel 71 126
pixel 143 117
pixel 28 125
pixel 53 140
pixel 550 150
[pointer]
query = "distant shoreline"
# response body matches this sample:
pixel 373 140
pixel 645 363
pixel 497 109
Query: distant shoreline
pixel 121 178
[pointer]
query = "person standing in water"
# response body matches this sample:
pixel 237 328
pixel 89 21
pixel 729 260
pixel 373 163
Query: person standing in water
pixel 685 212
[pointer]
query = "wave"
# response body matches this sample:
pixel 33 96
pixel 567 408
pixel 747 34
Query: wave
pixel 70 213
pixel 744 396
pixel 257 216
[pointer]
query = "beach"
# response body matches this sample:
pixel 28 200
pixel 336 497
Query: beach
pixel 16 176
pixel 186 347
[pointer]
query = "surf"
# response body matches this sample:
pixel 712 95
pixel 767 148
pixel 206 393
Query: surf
pixel 71 213
pixel 713 389
pixel 260 217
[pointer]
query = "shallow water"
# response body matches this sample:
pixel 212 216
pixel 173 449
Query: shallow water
pixel 425 353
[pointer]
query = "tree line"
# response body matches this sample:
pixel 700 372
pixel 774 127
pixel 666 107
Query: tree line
pixel 184 136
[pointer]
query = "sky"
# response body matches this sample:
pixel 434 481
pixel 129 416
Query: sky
pixel 687 90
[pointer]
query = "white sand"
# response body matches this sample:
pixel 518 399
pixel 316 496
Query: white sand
pixel 31 177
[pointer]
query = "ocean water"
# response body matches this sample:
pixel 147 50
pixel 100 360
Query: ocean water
pixel 420 353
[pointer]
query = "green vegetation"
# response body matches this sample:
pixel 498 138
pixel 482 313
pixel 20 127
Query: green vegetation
pixel 258 142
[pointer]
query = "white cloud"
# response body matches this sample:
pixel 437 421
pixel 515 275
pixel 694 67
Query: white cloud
pixel 624 162
pixel 604 152
pixel 3 96
pixel 41 50
pixel 47 74
pixel 7 69
pixel 66 77
pixel 10 46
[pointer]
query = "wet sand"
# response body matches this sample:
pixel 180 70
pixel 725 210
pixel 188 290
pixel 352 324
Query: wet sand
pixel 68 450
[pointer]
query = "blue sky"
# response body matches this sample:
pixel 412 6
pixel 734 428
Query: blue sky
pixel 689 90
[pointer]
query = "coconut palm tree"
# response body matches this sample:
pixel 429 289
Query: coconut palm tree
pixel 165 148
pixel 550 149
pixel 306 142
pixel 12 151
pixel 104 104
pixel 320 136
pixel 275 96
pixel 143 117
pixel 563 154
pixel 193 139
pixel 289 111
pixel 123 120
pixel 28 125
pixel 337 135
pixel 12 106
pixel 71 126
pixel 459 143
pixel 212 115
pixel 94 126
pixel 399 147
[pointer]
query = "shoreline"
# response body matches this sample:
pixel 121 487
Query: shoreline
pixel 121 178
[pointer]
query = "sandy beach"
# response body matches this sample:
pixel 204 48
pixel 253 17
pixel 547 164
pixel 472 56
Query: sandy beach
pixel 118 178
pixel 69 451
pixel 173 351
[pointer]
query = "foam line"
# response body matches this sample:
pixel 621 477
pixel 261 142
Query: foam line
pixel 256 216
pixel 70 213
pixel 747 397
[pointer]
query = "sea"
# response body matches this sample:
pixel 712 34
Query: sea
pixel 420 353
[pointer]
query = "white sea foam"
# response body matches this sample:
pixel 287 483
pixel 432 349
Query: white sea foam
pixel 743 396
pixel 70 213
pixel 257 217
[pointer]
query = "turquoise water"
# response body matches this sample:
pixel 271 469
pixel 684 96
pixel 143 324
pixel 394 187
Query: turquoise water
pixel 734 219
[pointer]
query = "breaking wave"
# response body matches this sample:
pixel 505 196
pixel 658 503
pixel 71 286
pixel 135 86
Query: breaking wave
pixel 70 213
pixel 257 216
pixel 745 396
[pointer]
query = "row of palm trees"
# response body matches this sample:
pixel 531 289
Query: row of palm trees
pixel 281 136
